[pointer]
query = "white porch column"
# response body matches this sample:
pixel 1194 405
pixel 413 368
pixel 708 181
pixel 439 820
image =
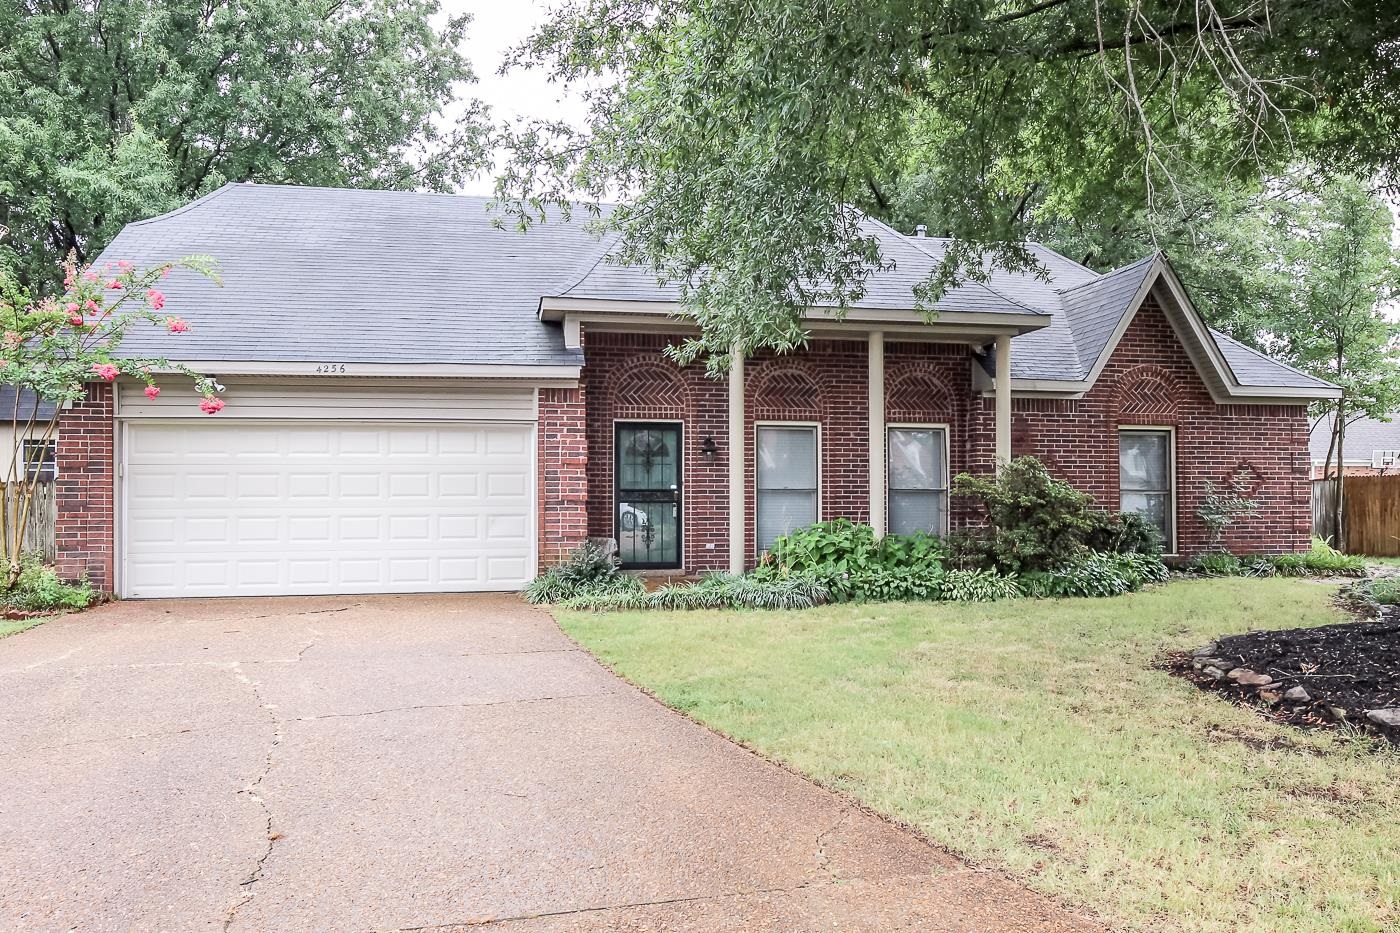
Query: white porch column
pixel 737 507
pixel 1003 388
pixel 875 374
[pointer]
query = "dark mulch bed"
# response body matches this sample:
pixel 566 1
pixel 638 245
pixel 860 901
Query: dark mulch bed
pixel 1310 676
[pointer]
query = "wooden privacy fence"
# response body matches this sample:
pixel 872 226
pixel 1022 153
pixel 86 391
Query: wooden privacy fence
pixel 39 536
pixel 1370 513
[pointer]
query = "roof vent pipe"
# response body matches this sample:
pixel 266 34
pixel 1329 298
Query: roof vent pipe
pixel 921 230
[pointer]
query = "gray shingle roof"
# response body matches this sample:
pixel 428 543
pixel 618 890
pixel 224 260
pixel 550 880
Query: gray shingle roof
pixel 339 275
pixel 1363 436
pixel 323 274
pixel 26 405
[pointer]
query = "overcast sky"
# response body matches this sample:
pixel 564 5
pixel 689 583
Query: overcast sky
pixel 497 27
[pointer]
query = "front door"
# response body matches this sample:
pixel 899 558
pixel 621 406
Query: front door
pixel 648 495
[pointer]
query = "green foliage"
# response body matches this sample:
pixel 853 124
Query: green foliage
pixel 1321 561
pixel 589 568
pixel 1221 508
pixel 1097 574
pixel 1380 591
pixel 617 592
pixel 1124 533
pixel 1033 521
pixel 39 589
pixel 111 112
pixel 977 586
pixel 1217 564
pixel 747 131
pixel 713 591
pixel 854 566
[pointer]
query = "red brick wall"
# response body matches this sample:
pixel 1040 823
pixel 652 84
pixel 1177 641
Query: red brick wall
pixel 85 489
pixel 628 377
pixel 562 457
pixel 1149 381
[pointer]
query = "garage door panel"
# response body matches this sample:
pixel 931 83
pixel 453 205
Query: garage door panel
pixel 257 509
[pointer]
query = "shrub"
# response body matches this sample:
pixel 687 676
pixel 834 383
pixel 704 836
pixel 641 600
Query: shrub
pixel 1034 521
pixel 1217 564
pixel 1124 533
pixel 1220 509
pixel 1323 561
pixel 589 567
pixel 621 591
pixel 852 565
pixel 1096 575
pixel 1383 591
pixel 39 589
pixel 977 586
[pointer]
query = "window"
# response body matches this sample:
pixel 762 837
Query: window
pixel 40 458
pixel 787 480
pixel 918 480
pixel 1145 479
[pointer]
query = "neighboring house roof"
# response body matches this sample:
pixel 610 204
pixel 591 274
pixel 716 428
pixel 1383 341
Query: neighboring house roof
pixel 18 405
pixel 341 275
pixel 1363 438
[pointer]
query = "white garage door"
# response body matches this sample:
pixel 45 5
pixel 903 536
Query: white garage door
pixel 229 508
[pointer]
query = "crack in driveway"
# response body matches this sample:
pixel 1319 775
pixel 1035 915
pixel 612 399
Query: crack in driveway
pixel 252 791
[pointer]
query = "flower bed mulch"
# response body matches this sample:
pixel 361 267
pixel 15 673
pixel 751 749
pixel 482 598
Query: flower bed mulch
pixel 1348 673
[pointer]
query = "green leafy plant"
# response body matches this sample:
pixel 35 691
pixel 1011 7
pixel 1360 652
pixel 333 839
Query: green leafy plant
pixel 1216 564
pixel 977 586
pixel 1380 591
pixel 1093 575
pixel 852 565
pixel 39 589
pixel 1221 508
pixel 1321 561
pixel 590 567
pixel 1033 521
pixel 1124 533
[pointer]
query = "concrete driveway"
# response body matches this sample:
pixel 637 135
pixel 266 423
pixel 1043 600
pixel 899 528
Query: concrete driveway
pixel 414 763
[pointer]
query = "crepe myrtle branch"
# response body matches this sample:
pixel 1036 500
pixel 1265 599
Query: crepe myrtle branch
pixel 56 344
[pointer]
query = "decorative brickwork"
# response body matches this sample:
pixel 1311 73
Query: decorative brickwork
pixel 1149 381
pixel 84 489
pixel 562 459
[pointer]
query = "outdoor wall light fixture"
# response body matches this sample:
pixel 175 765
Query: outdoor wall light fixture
pixel 708 448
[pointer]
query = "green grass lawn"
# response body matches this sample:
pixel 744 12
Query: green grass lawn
pixel 1038 736
pixel 15 626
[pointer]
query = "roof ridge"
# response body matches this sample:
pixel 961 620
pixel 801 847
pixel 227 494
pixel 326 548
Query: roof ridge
pixel 913 242
pixel 202 199
pixel 1104 276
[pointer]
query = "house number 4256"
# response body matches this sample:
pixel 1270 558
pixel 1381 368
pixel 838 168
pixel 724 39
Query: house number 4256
pixel 330 368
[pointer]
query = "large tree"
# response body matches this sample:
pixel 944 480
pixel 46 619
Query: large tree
pixel 743 132
pixel 114 110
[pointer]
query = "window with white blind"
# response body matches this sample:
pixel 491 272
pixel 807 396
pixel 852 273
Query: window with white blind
pixel 787 470
pixel 1145 479
pixel 918 479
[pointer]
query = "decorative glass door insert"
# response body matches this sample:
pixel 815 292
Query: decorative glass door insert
pixel 648 494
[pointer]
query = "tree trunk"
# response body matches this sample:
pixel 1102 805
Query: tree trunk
pixel 1339 430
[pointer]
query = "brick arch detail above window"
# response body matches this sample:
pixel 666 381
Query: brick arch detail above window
pixel 786 390
pixel 1147 392
pixel 646 388
pixel 914 393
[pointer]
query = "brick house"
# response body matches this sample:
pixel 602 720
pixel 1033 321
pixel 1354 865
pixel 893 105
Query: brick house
pixel 419 400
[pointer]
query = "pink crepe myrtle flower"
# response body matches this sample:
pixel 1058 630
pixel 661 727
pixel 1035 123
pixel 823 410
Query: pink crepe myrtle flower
pixel 13 338
pixel 152 391
pixel 68 280
pixel 115 283
pixel 212 405
pixel 124 265
pixel 176 325
pixel 76 320
pixel 105 370
pixel 71 307
pixel 156 298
